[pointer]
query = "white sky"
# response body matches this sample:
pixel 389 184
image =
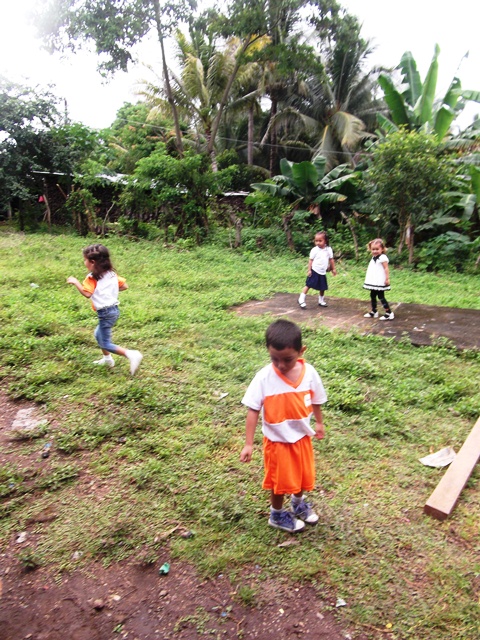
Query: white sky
pixel 412 25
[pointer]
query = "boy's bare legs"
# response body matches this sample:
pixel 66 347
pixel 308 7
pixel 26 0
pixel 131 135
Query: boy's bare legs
pixel 276 501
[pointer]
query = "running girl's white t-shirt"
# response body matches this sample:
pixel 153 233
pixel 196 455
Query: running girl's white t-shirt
pixel 104 291
pixel 286 406
pixel 321 259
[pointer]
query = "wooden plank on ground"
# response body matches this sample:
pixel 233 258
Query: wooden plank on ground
pixel 444 498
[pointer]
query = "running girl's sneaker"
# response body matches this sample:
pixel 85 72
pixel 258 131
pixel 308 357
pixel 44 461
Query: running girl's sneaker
pixel 371 314
pixel 108 362
pixel 285 521
pixel 134 357
pixel 302 303
pixel 388 316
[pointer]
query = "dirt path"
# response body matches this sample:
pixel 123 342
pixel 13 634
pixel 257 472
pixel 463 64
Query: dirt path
pixel 133 601
pixel 421 323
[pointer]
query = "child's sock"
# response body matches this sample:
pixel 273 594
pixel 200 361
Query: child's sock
pixel 301 297
pixel 321 299
pixel 272 510
pixel 296 500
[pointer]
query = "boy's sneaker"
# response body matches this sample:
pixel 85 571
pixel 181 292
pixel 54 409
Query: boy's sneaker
pixel 371 314
pixel 388 316
pixel 302 303
pixel 135 357
pixel 108 362
pixel 285 521
pixel 304 511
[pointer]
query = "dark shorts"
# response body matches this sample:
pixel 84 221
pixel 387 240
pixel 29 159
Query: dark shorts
pixel 317 281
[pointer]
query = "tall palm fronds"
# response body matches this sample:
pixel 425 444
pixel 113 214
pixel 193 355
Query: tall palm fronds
pixel 337 104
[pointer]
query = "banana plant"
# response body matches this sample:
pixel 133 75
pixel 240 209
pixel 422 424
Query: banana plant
pixel 306 185
pixel 414 106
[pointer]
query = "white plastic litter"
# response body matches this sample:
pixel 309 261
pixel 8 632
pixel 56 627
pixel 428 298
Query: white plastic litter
pixel 440 458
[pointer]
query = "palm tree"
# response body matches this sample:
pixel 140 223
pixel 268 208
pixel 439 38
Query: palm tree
pixel 333 104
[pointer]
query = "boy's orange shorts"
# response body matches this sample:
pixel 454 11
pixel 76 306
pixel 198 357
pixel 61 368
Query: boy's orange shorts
pixel 289 467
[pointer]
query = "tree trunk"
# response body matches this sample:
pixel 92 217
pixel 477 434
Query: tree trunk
pixel 9 209
pixel 410 240
pixel 211 153
pixel 273 140
pixel 288 232
pixel 173 106
pixel 352 231
pixel 239 58
pixel 251 115
pixel 237 225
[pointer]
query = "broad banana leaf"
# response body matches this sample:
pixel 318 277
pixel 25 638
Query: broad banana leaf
pixel 443 119
pixel 411 77
pixel 453 93
pixel 320 162
pixel 337 172
pixel 330 198
pixel 286 168
pixel 268 187
pixel 471 95
pixel 304 176
pixel 394 100
pixel 423 107
pixel 334 184
pixel 387 125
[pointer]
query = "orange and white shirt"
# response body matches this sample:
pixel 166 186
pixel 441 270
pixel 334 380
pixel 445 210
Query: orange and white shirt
pixel 286 406
pixel 104 291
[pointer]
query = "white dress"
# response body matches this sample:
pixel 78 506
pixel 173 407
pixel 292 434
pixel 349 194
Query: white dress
pixel 376 276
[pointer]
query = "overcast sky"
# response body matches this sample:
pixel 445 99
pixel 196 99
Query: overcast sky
pixel 412 25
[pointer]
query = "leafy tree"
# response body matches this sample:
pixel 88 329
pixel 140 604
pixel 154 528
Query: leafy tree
pixel 135 133
pixel 26 143
pixel 174 191
pixel 414 105
pixel 408 180
pixel 115 27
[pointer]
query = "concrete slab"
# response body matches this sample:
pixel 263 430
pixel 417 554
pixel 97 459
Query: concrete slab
pixel 422 323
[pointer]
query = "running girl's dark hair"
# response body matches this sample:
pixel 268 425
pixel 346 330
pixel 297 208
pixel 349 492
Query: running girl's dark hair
pixel 283 334
pixel 100 257
pixel 325 235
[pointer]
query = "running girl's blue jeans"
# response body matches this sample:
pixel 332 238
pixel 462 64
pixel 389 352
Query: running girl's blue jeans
pixel 107 318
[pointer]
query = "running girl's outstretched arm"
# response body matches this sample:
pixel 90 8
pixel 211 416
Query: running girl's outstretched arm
pixel 76 283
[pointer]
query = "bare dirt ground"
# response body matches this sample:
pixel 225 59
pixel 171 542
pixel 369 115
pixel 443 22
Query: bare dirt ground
pixel 130 600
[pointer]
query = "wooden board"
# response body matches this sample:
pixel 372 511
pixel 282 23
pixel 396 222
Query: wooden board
pixel 443 500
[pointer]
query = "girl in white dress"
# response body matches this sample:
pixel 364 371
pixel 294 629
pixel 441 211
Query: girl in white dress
pixel 377 279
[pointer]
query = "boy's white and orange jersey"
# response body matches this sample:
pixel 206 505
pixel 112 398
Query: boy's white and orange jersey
pixel 104 291
pixel 286 406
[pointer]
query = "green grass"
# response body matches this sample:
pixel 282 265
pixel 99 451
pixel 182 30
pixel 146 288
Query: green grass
pixel 133 458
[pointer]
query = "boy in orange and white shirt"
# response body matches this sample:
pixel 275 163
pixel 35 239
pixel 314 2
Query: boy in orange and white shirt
pixel 287 392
